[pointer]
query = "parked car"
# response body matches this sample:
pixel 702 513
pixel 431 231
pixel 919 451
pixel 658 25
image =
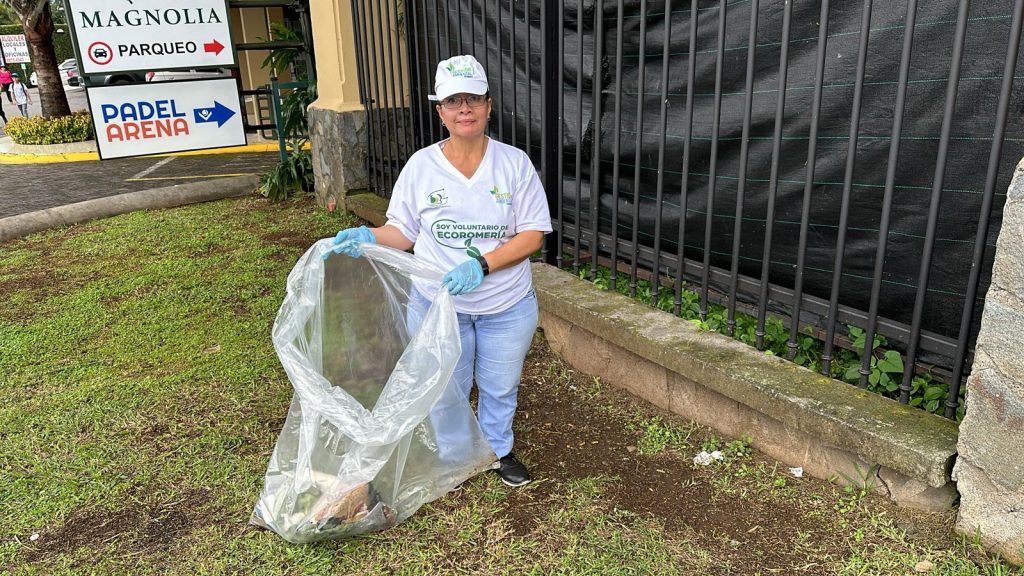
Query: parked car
pixel 119 78
pixel 192 74
pixel 33 79
pixel 68 71
pixel 110 79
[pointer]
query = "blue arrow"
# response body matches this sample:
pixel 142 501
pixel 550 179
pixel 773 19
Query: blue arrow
pixel 218 113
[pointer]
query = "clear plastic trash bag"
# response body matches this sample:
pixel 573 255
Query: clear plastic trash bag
pixel 359 449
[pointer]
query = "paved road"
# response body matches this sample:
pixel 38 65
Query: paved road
pixel 30 187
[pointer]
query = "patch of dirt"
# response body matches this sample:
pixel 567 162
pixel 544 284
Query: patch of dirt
pixel 565 435
pixel 38 285
pixel 240 307
pixel 290 239
pixel 33 281
pixel 151 527
pixel 290 245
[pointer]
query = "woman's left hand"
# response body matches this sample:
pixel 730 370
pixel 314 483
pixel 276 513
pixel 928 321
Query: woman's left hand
pixel 463 278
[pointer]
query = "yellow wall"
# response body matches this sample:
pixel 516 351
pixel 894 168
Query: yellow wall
pixel 336 51
pixel 250 25
pixel 334 43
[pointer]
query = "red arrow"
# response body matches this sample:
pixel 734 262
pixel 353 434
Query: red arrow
pixel 214 47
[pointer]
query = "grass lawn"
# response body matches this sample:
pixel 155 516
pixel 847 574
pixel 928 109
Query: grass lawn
pixel 140 399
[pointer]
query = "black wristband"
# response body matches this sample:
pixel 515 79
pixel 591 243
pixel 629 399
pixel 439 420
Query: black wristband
pixel 483 265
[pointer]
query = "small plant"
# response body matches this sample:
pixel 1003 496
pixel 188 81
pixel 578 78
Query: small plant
pixel 856 488
pixel 739 449
pixel 710 444
pixel 594 390
pixel 285 58
pixel 41 130
pixel 659 435
pixel 295 172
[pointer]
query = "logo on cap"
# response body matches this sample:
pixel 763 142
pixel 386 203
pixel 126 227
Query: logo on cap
pixel 460 71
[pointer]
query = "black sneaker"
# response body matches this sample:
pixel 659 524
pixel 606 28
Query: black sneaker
pixel 511 471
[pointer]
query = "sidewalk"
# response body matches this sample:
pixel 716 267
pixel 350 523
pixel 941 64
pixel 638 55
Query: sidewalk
pixel 12 153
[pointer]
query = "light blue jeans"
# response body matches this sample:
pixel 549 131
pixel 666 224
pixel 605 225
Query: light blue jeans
pixel 494 347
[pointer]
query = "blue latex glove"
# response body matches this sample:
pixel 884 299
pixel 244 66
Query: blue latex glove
pixel 347 242
pixel 463 278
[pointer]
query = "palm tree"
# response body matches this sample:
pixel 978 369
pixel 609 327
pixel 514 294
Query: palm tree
pixel 37 21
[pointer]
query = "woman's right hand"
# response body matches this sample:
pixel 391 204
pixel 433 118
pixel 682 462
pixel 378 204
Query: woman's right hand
pixel 348 241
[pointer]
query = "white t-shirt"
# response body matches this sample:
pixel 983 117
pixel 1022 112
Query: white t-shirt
pixel 451 218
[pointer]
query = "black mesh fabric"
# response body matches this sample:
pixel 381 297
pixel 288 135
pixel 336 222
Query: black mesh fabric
pixel 965 171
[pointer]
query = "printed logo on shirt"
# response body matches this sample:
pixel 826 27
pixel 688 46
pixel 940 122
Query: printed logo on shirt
pixel 437 198
pixel 501 197
pixel 460 235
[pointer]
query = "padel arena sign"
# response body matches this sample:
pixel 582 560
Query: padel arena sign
pixel 162 117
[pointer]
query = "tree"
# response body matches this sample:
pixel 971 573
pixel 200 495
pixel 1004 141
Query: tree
pixel 37 22
pixel 7 16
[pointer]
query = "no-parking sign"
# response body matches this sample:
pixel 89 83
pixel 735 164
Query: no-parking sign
pixel 143 35
pixel 164 117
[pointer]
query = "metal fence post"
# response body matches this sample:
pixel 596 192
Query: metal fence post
pixel 275 104
pixel 549 88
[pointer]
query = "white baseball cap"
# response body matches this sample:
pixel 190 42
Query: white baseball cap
pixel 459 74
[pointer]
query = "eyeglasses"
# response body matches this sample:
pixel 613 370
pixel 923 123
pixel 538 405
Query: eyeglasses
pixel 455 102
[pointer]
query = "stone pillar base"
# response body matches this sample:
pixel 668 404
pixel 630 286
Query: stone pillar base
pixel 990 467
pixel 338 139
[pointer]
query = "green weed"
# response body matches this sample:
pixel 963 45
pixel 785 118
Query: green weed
pixel 657 435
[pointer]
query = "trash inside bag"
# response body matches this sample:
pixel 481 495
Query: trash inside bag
pixel 359 450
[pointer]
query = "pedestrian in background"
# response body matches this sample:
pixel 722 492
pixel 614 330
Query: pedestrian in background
pixel 6 79
pixel 21 96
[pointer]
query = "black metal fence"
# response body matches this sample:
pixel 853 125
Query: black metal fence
pixel 834 168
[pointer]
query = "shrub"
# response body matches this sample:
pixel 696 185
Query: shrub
pixel 289 176
pixel 39 130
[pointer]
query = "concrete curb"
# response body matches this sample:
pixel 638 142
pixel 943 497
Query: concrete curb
pixel 155 198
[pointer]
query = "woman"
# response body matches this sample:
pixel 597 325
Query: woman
pixel 476 207
pixel 6 79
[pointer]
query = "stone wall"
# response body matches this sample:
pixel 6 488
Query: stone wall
pixel 338 140
pixel 990 467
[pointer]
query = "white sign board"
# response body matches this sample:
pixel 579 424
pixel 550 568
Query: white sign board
pixel 161 117
pixel 144 35
pixel 15 49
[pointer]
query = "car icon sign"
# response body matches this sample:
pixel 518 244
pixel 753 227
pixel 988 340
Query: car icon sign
pixel 99 53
